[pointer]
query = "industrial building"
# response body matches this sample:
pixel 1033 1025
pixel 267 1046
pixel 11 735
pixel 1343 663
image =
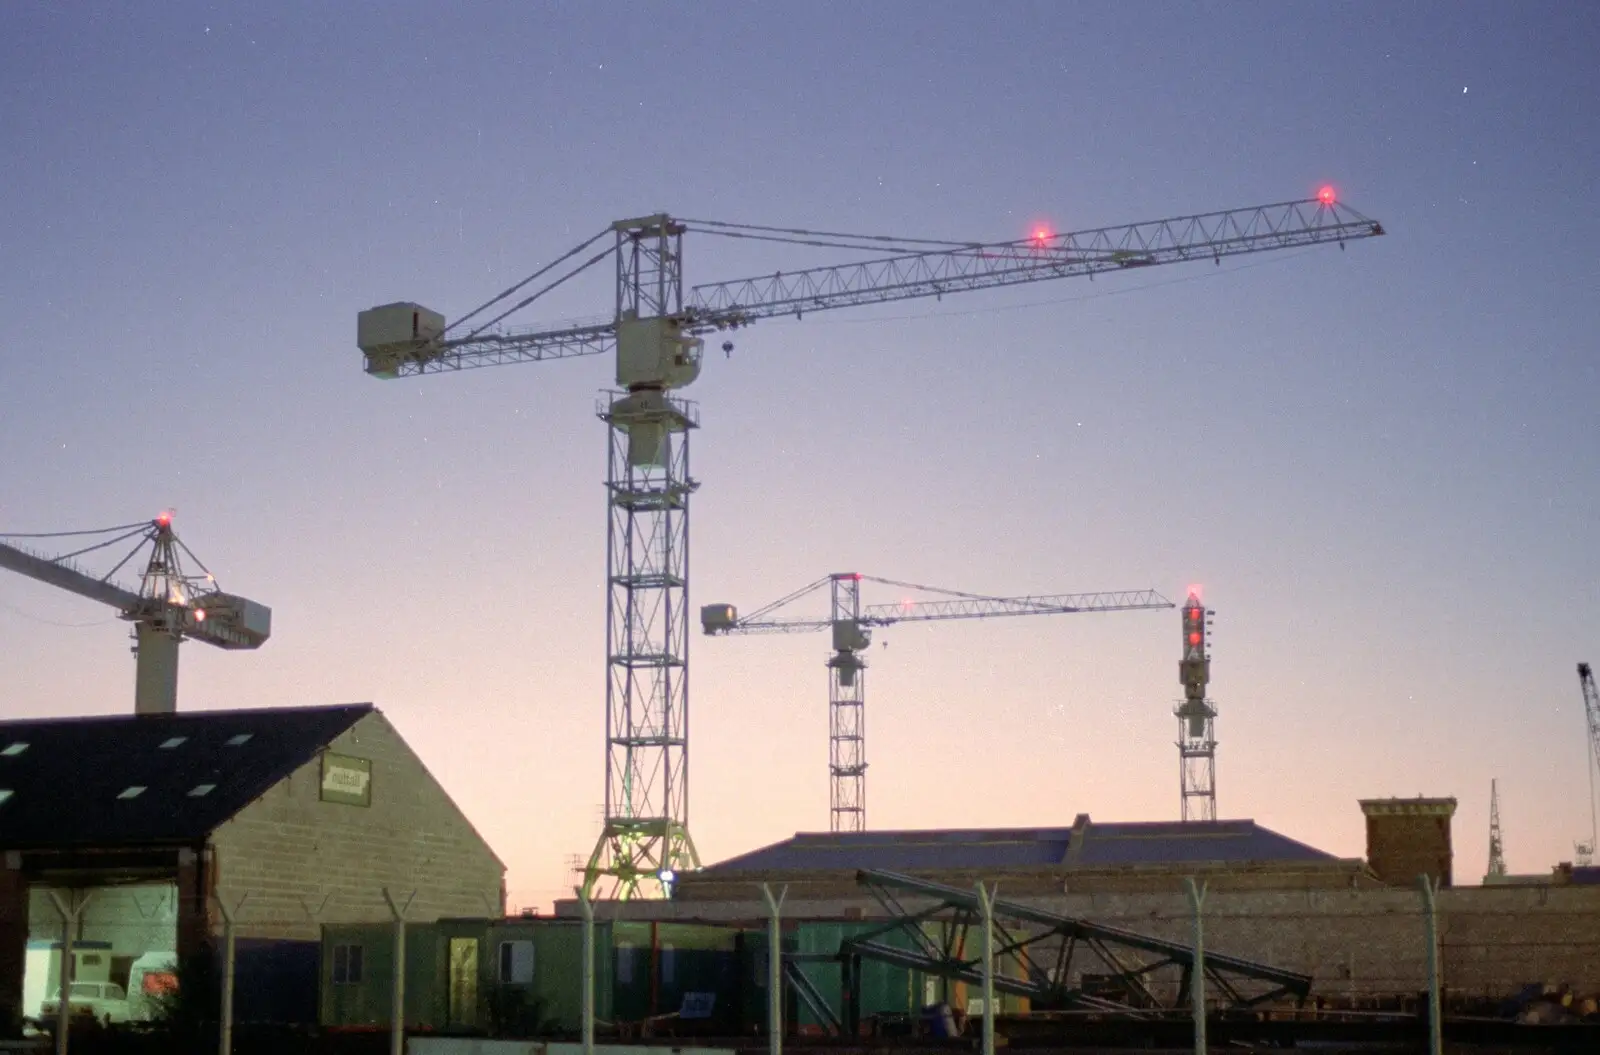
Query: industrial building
pixel 124 836
pixel 1355 926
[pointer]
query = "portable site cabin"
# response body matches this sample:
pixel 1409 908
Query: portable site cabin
pixel 522 977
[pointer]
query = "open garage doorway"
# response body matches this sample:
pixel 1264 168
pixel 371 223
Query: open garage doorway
pixel 123 950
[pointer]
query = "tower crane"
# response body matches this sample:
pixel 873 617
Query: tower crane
pixel 851 625
pixel 1591 715
pixel 656 333
pixel 1197 717
pixel 169 606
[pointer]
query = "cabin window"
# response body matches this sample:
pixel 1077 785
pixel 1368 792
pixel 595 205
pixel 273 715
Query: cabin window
pixel 347 965
pixel 516 962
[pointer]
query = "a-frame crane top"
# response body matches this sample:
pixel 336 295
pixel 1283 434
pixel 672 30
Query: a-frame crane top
pixel 656 329
pixel 851 624
pixel 170 604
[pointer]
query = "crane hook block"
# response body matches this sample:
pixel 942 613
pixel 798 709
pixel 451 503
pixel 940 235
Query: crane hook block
pixel 656 353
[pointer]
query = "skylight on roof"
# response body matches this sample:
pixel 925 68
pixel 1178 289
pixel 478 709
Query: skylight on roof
pixel 200 790
pixel 171 742
pixel 13 750
pixel 239 738
pixel 132 791
pixel 6 793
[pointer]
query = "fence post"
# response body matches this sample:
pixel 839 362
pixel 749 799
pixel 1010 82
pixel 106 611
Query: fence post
pixel 1197 970
pixel 225 1034
pixel 775 1024
pixel 71 911
pixel 397 1017
pixel 587 984
pixel 986 903
pixel 1430 913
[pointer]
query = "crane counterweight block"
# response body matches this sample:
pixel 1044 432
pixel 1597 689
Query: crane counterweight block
pixel 391 335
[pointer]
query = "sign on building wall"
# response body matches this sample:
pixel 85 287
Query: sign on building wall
pixel 346 779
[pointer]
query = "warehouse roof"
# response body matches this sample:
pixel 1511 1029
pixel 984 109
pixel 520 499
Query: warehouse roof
pixel 118 780
pixel 1084 845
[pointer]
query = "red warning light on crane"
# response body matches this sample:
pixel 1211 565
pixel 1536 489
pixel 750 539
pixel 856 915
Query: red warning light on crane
pixel 1326 196
pixel 164 518
pixel 1041 234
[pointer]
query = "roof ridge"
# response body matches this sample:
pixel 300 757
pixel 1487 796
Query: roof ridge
pixel 125 716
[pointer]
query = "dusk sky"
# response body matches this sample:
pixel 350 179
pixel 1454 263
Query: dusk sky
pixel 1381 462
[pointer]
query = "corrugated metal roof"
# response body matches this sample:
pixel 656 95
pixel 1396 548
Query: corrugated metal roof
pixel 1087 845
pixel 119 780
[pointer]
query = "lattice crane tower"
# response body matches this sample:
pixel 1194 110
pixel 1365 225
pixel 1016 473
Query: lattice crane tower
pixel 656 334
pixel 1197 716
pixel 851 624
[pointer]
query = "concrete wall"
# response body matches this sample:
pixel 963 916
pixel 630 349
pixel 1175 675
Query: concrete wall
pixel 290 849
pixel 1361 942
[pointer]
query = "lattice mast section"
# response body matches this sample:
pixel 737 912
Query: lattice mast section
pixel 847 721
pixel 1197 739
pixel 1497 850
pixel 644 840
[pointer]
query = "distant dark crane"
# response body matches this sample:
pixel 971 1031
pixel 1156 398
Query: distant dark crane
pixel 1591 716
pixel 169 606
pixel 656 332
pixel 851 625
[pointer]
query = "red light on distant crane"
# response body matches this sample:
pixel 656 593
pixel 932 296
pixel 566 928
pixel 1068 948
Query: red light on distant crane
pixel 164 518
pixel 1194 637
pixel 1326 196
pixel 1041 234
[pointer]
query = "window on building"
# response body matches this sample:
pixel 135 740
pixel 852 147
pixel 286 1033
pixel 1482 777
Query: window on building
pixel 14 749
pixel 6 793
pixel 201 790
pixel 172 741
pixel 132 791
pixel 516 962
pixel 669 964
pixel 239 739
pixel 347 965
pixel 625 962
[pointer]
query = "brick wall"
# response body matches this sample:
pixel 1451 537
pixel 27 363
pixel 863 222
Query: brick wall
pixel 1361 942
pixel 290 849
pixel 1407 838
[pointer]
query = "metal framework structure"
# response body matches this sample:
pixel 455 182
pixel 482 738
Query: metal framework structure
pixel 1497 853
pixel 169 606
pixel 1060 962
pixel 645 837
pixel 656 334
pixel 1197 716
pixel 851 625
pixel 1584 851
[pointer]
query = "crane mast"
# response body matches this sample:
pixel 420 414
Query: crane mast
pixel 1584 851
pixel 851 625
pixel 1497 852
pixel 1197 716
pixel 656 336
pixel 169 606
